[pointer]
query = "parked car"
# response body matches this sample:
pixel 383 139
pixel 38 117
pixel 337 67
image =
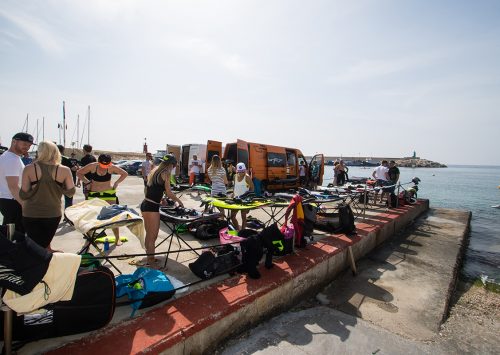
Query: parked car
pixel 132 166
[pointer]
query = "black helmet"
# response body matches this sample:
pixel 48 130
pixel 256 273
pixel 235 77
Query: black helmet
pixel 169 159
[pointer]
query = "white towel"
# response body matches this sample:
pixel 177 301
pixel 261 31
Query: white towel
pixel 60 279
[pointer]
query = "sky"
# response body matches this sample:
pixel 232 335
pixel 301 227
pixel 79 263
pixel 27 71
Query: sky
pixel 344 78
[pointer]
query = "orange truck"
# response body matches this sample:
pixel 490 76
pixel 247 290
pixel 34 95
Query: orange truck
pixel 271 167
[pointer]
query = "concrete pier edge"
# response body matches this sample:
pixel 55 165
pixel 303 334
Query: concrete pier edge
pixel 197 322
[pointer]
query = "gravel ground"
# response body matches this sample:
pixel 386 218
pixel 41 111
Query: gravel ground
pixel 473 325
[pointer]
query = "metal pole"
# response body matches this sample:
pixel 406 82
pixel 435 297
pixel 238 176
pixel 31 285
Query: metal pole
pixel 64 125
pixel 8 314
pixel 88 129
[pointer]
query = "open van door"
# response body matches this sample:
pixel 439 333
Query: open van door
pixel 320 161
pixel 176 151
pixel 242 152
pixel 213 148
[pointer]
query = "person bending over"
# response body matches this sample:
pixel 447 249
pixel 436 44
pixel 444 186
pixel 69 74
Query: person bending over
pixel 158 184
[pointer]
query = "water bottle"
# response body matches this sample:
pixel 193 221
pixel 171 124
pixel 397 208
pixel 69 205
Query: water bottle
pixel 106 245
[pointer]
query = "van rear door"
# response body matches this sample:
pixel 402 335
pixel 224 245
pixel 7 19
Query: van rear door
pixel 242 152
pixel 213 148
pixel 276 163
pixel 176 151
pixel 320 161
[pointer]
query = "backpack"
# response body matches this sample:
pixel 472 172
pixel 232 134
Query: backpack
pixel 310 215
pixel 346 217
pixel 145 288
pixel 214 262
pixel 208 229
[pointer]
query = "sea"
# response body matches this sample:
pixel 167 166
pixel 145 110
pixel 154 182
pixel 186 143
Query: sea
pixel 463 187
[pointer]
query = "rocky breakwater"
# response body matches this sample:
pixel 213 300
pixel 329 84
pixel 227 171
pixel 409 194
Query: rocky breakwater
pixel 419 163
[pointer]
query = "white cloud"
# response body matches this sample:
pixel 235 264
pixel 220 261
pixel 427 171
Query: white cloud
pixel 204 48
pixel 38 31
pixel 371 69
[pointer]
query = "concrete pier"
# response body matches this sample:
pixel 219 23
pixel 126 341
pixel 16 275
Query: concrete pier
pixel 199 321
pixel 395 304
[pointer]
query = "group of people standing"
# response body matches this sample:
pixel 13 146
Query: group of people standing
pixel 30 196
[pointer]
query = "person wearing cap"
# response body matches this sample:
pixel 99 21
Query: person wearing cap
pixel 11 170
pixel 43 184
pixel 97 176
pixel 242 183
pixel 158 184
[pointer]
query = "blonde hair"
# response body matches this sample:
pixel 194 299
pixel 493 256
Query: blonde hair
pixel 159 170
pixel 215 164
pixel 48 153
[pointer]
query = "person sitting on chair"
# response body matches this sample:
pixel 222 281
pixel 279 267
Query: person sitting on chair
pixel 242 183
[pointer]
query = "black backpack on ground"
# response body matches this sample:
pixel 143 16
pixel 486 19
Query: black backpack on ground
pixel 310 212
pixel 346 219
pixel 91 307
pixel 208 229
pixel 214 262
pixel 328 222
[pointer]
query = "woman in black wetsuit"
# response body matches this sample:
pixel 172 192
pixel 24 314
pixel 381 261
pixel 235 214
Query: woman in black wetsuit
pixel 158 184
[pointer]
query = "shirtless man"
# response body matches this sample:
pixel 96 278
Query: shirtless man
pixel 98 175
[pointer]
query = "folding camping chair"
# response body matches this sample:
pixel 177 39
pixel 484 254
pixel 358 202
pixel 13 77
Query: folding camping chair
pixel 174 218
pixel 83 216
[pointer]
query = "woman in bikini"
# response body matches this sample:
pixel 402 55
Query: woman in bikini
pixel 43 184
pixel 157 185
pixel 98 178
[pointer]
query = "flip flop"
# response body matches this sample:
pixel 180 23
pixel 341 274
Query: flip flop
pixel 142 262
pixel 124 257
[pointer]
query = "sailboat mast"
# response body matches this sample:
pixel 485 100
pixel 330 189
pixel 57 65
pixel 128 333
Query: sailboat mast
pixel 43 128
pixel 64 125
pixel 88 123
pixel 78 132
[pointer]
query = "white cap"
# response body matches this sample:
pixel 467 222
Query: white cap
pixel 240 167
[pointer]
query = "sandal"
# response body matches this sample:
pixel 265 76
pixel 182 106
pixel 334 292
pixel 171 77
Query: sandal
pixel 142 262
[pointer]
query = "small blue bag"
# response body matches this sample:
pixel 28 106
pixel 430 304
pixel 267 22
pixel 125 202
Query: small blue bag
pixel 145 286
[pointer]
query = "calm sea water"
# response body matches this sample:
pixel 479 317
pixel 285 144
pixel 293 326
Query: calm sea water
pixel 472 188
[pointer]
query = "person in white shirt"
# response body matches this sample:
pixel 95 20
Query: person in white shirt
pixel 381 174
pixel 11 170
pixel 194 170
pixel 147 166
pixel 242 184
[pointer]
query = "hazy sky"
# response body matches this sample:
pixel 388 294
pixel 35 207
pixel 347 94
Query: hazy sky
pixel 368 78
